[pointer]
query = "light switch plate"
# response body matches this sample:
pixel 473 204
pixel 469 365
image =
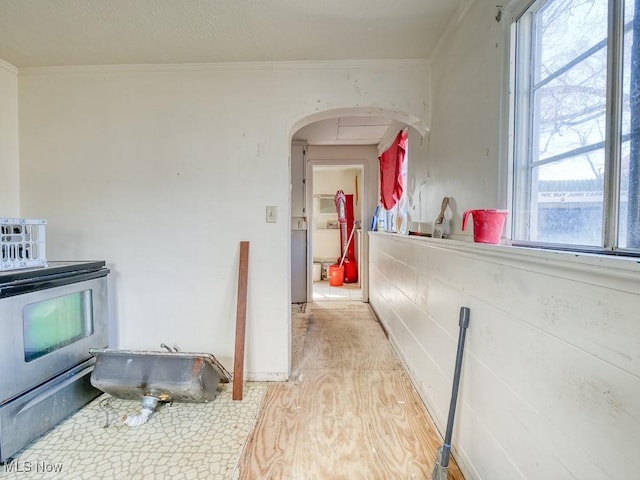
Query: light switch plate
pixel 272 214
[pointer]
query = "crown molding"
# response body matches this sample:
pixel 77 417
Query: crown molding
pixel 228 66
pixel 8 67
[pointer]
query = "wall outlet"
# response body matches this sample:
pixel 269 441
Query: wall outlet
pixel 272 214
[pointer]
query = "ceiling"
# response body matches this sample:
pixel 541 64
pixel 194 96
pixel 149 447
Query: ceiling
pixel 344 131
pixel 106 32
pixel 40 33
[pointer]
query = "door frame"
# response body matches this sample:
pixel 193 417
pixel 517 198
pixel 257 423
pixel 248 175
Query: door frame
pixel 363 270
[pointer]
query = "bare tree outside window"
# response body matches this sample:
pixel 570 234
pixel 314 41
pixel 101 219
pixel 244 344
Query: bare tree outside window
pixel 633 171
pixel 563 129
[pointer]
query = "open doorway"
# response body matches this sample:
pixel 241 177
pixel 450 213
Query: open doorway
pixel 329 243
pixel 335 144
pixel 346 140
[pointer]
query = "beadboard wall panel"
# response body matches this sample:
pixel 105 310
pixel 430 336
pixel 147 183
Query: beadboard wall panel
pixel 550 381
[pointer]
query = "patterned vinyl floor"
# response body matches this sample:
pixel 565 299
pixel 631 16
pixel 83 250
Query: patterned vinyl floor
pixel 180 441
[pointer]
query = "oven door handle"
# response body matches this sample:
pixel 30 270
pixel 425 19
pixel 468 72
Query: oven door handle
pixel 46 283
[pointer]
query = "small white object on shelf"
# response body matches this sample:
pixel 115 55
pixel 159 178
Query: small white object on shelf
pixel 22 243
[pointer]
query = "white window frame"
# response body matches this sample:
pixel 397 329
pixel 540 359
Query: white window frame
pixel 517 127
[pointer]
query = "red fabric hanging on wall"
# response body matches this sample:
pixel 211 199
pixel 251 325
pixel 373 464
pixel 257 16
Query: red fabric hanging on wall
pixel 391 162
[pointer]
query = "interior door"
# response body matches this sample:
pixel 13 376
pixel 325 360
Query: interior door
pixel 299 274
pixel 299 266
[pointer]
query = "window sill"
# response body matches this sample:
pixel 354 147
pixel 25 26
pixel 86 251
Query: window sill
pixel 598 269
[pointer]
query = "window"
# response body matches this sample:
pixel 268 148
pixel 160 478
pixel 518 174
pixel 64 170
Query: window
pixel 325 204
pixel 576 112
pixel 55 323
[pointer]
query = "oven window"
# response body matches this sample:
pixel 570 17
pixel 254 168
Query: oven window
pixel 56 322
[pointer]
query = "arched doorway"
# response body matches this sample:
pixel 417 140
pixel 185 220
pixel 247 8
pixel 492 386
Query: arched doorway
pixel 345 138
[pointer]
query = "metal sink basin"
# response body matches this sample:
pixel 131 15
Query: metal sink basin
pixel 168 376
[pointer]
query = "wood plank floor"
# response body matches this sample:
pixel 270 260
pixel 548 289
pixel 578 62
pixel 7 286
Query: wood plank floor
pixel 350 412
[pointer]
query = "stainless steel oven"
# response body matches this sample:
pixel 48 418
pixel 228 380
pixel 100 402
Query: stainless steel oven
pixel 50 318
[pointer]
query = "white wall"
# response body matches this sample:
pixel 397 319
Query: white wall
pixel 459 158
pixel 365 155
pixel 162 170
pixel 551 376
pixel 9 160
pixel 326 181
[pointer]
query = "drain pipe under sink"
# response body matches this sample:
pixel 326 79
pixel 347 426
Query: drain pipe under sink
pixel 149 404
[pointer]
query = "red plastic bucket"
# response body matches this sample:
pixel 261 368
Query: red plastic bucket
pixel 487 224
pixel 336 275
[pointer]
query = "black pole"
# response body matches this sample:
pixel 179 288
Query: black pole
pixel 446 447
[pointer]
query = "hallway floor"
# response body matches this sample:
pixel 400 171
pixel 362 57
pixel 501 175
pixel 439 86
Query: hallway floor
pixel 322 291
pixel 349 411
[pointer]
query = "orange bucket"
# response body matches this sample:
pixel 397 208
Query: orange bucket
pixel 336 275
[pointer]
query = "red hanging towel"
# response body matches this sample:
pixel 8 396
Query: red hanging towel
pixel 391 162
